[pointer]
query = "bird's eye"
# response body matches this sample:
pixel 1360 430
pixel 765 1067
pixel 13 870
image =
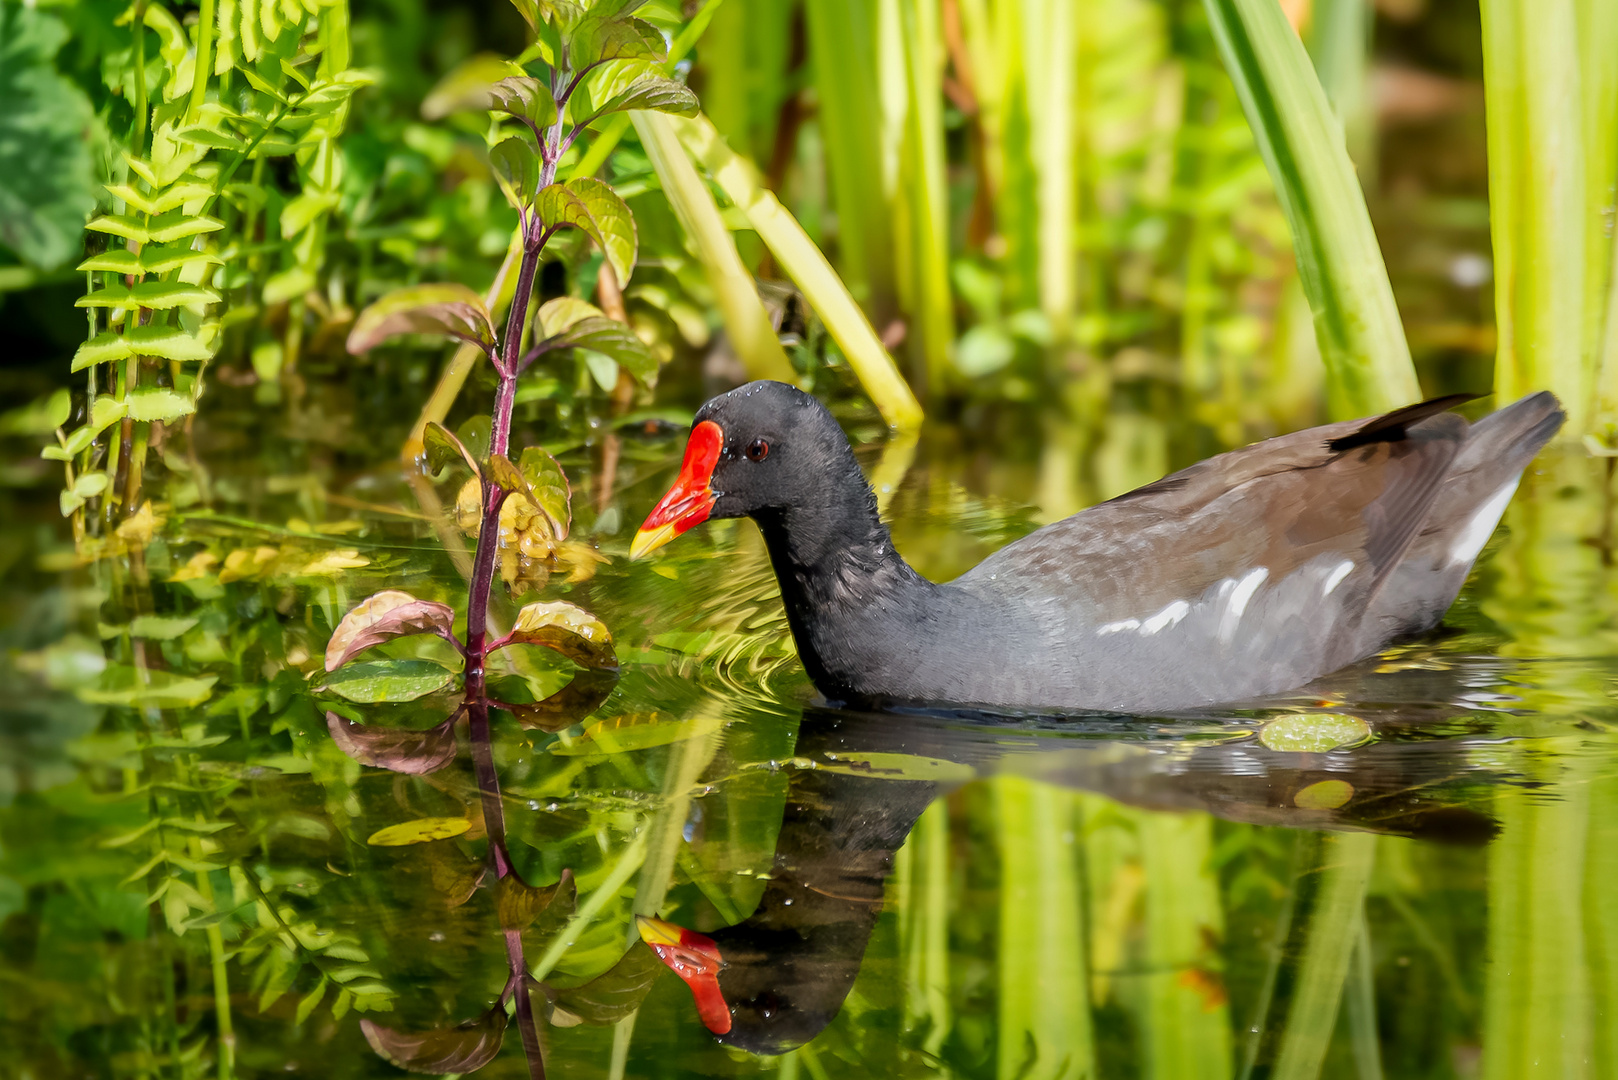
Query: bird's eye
pixel 757 450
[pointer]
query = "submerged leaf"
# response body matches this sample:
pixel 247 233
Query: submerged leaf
pixel 454 876
pixel 614 994
pixel 152 689
pixel 571 631
pixel 384 616
pixel 397 749
pixel 421 831
pixel 461 1049
pixel 569 705
pixel 376 681
pixel 520 903
pixel 444 308
pixel 592 206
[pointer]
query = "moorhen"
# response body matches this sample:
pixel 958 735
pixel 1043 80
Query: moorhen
pixel 1249 573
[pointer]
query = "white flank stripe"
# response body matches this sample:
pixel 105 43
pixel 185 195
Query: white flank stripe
pixel 1342 570
pixel 1481 527
pixel 1239 596
pixel 1118 627
pixel 1169 616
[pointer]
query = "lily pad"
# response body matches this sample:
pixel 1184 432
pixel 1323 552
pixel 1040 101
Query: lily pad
pixel 421 831
pixel 1324 795
pixel 376 681
pixel 1314 733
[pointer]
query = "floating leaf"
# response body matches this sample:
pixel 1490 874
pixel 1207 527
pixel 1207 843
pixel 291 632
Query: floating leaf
pixel 421 831
pixel 614 994
pixel 384 616
pixel 592 206
pixel 461 1049
pixel 897 767
pixel 520 903
pixel 569 705
pixel 656 94
pixel 1313 733
pixel 388 680
pixel 1324 795
pixel 396 749
pixel 443 447
pixel 571 631
pixel 548 488
pixel 516 167
pixel 444 308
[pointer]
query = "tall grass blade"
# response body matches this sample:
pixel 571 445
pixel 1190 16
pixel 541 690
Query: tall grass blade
pixel 807 266
pixel 921 870
pixel 1368 367
pixel 1598 36
pixel 747 323
pixel 842 43
pixel 1050 87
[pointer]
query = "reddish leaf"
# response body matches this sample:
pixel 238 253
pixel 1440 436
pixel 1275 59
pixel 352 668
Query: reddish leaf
pixel 395 748
pixel 521 903
pixel 385 616
pixel 461 1049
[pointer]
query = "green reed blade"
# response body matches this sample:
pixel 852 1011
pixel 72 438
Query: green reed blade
pixel 842 43
pixel 1601 919
pixel 1598 38
pixel 1538 206
pixel 804 263
pixel 921 876
pixel 751 334
pixel 1368 367
pixel 1050 86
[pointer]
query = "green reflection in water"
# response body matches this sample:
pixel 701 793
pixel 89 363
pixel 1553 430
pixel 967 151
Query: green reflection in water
pixel 190 891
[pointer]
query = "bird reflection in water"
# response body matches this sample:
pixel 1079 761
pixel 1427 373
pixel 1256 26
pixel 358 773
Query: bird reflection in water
pixel 777 979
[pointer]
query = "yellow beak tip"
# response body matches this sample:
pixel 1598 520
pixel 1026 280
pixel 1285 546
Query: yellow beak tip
pixel 647 541
pixel 656 931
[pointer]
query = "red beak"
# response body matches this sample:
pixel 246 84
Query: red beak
pixel 695 959
pixel 690 499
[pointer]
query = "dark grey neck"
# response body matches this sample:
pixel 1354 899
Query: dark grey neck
pixel 848 593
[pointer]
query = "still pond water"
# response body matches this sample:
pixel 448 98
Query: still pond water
pixel 1409 870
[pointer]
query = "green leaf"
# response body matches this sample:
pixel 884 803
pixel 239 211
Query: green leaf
pixel 123 685
pixel 897 767
pixel 109 345
pixel 614 994
pixel 590 205
pixel 39 417
pixel 160 260
pixel 469 85
pixel 105 412
pixel 338 89
pixel 602 39
pixel 420 831
pixel 376 681
pixel 163 295
pixel 549 489
pixel 113 296
pixel 124 225
pixel 47 127
pixel 638 731
pixel 161 627
pixel 516 169
pixel 526 98
pixel 443 448
pixel 657 94
pixel 160 404
pixel 614 340
pixel 168 342
pixel 178 225
pixel 307 1005
pixel 115 261
pixel 446 308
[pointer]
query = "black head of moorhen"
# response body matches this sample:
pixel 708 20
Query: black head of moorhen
pixel 1249 573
